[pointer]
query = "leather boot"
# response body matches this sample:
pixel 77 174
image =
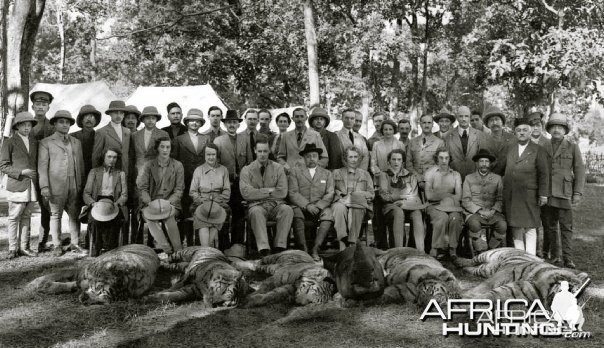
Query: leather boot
pixel 299 234
pixel 324 228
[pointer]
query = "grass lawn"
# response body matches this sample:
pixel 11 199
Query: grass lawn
pixel 29 319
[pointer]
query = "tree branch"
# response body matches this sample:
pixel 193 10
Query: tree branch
pixel 549 7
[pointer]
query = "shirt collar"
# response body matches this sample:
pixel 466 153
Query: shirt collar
pixel 206 168
pixel 25 139
pixel 461 130
pixel 351 170
pixel 160 164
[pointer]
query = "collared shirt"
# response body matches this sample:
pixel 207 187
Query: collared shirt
pixel 194 139
pixel 438 182
pixel 461 130
pixel 521 148
pixel 118 129
pixel 147 137
pixel 312 171
pixel 25 141
pixel 210 181
pixel 107 183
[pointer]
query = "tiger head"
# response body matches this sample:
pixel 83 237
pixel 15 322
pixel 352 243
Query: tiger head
pixel 226 288
pixel 103 286
pixel 433 289
pixel 311 290
pixel 98 292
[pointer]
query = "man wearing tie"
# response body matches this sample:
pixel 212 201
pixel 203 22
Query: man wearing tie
pixel 215 117
pixel 349 138
pixel 295 140
pixel 113 135
pixel 250 133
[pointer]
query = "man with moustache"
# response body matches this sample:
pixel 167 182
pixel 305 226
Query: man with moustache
pixel 88 118
pixel 174 115
pixel 349 138
pixel 251 133
pixel 215 117
pixel 131 119
pixel 143 141
pixel 264 119
pixel 444 119
pixel 404 129
pixel 476 122
pixel 500 138
pixel 378 118
pixel 295 140
pixel 421 150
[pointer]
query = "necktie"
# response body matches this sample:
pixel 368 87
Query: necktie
pixel 424 141
pixel 299 139
pixel 66 139
pixel 278 143
pixel 253 145
pixel 464 141
pixel 351 137
pixel 262 169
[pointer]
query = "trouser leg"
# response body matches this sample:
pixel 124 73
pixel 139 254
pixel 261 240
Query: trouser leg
pixel 284 216
pixel 257 216
pixel 419 233
pixel 238 214
pixel 299 233
pixel 518 235
pixel 44 220
pixel 550 220
pixel 379 228
pixel 15 210
pixel 25 225
pixel 454 229
pixel 173 233
pixel 530 241
pixel 322 231
pixel 355 222
pixel 439 221
pixel 340 218
pixel 566 231
pixel 397 216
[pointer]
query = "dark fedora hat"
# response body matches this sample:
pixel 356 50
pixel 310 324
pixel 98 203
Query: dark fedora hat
pixel 85 110
pixel 520 121
pixel 150 111
pixel 318 112
pixel 231 115
pixel 311 148
pixel 483 153
pixel 116 105
pixel 41 96
pixel 444 113
pixel 62 114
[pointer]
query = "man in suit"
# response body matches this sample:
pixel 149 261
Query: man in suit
pixel 567 181
pixel 250 134
pixel 444 119
pixel 311 190
pixel 500 139
pixel 349 138
pixel 131 119
pixel 41 101
pixel 143 141
pixel 464 142
pixel 113 135
pixel 421 150
pixel 215 117
pixel 295 140
pixel 537 136
pixel 264 119
pixel 162 179
pixel 404 129
pixel 378 118
pixel 61 170
pixel 234 156
pixel 18 160
pixel 319 120
pixel 188 150
pixel 174 115
pixel 526 186
pixel 88 118
pixel 264 186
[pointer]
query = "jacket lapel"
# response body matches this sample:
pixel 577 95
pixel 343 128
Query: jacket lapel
pixel 306 174
pixel 189 144
pixel 455 140
pixel 112 133
pixel 526 152
pixel 563 145
pixel 19 143
pixel 155 171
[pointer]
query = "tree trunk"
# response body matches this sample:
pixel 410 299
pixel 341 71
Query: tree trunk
pixel 425 60
pixel 61 27
pixel 311 48
pixel 93 54
pixel 22 21
pixel 3 89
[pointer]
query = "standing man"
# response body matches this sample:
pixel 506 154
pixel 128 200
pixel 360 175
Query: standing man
pixel 404 129
pixel 568 179
pixel 378 118
pixel 526 186
pixel 40 104
pixel 358 122
pixel 421 150
pixel 143 140
pixel 501 140
pixel 215 117
pixel 87 119
pixel 476 122
pixel 264 186
pixel 311 190
pixel 264 118
pixel 174 115
pixel 131 120
pixel 444 119
pixel 463 143
pixel 536 121
pixel 251 132
pixel 349 138
pixel 61 170
pixel 295 140
pixel 319 120
pixel 113 135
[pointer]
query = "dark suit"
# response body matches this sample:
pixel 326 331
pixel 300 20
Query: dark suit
pixel 87 140
pixel 462 162
pixel 212 135
pixel 105 138
pixel 143 154
pixel 14 158
pixel 174 132
pixel 334 149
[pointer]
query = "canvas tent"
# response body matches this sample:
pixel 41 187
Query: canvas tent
pixel 73 97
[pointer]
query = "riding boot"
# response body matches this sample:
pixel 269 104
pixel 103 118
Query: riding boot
pixel 324 228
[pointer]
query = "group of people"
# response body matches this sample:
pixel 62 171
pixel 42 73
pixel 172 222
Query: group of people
pixel 186 185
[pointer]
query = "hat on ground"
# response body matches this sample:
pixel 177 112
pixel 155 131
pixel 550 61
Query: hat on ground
pixel 358 201
pixel 448 205
pixel 311 148
pixel 318 112
pixel 210 212
pixel 104 210
pixel 444 113
pixel 150 111
pixel 22 117
pixel 194 114
pixel 231 115
pixel 116 105
pixel 557 119
pixel 520 121
pixel 41 96
pixel 483 153
pixel 411 203
pixel 158 209
pixel 236 250
pixel 492 111
pixel 62 114
pixel 88 109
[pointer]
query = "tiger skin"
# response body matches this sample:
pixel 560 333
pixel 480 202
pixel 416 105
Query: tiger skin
pixel 208 275
pixel 294 278
pixel 125 272
pixel 415 277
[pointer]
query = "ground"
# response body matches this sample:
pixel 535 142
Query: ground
pixel 29 319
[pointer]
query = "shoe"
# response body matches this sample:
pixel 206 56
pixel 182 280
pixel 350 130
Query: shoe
pixel 27 252
pixel 315 255
pixel 77 249
pixel 12 254
pixel 264 252
pixel 557 262
pixel 57 251
pixel 441 255
pixel 568 263
pixel 42 248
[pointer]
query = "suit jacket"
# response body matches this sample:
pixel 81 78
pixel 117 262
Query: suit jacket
pixel 52 164
pixel 94 183
pixel 462 162
pixel 148 182
pixel 567 169
pixel 289 149
pixel 143 154
pixel 184 151
pixel 249 150
pixel 212 136
pixel 362 184
pixel 234 162
pixel 334 149
pixel 182 129
pixel 270 136
pixel 42 129
pixel 251 183
pixel 359 142
pixel 499 146
pixel 105 138
pixel 526 178
pixel 14 157
pixel 376 136
pixel 420 156
pixel 87 141
pixel 318 190
pixel 482 192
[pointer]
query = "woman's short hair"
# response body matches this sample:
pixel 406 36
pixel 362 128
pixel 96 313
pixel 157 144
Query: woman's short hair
pixel 211 146
pixel 283 114
pixel 159 141
pixel 353 149
pixel 438 152
pixel 397 151
pixel 388 122
pixel 118 163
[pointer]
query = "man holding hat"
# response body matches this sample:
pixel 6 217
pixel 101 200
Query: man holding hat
pixel 61 170
pixel 482 199
pixel 113 135
pixel 131 120
pixel 188 150
pixel 143 141
pixel 18 160
pixel 567 181
pixel 295 140
pixel 161 183
pixel 501 139
pixel 319 120
pixel 87 119
pixel 526 186
pixel 41 103
pixel 215 117
pixel 174 115
pixel 311 190
pixel 445 119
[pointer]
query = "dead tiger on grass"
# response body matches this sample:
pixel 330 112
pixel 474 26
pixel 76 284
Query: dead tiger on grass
pixel 125 272
pixel 208 275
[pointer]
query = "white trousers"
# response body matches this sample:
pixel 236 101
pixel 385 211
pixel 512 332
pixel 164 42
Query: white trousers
pixel 525 239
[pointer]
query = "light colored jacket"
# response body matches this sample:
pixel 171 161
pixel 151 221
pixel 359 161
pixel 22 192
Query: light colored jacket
pixel 304 190
pixel 289 149
pixel 360 144
pixel 420 156
pixel 148 181
pixel 482 192
pixel 251 183
pixel 234 162
pixel 52 164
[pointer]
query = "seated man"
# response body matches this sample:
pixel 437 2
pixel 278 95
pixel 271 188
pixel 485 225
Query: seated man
pixel 161 183
pixel 311 193
pixel 482 199
pixel 263 185
pixel 107 184
pixel 349 211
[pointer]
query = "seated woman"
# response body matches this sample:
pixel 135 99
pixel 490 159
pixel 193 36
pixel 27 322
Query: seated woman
pixel 105 186
pixel 399 191
pixel 211 185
